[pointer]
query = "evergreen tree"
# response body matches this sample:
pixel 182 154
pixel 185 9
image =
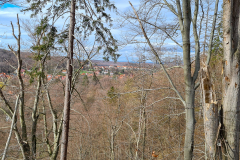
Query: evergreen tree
pixel 112 95
pixel 85 81
pixel 91 19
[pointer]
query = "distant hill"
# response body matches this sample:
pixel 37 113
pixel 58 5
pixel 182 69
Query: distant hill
pixel 8 62
pixel 109 63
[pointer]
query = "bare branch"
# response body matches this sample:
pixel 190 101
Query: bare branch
pixel 89 128
pixel 171 8
pixel 10 47
pixel 180 18
pixel 7 104
pixel 155 53
pixel 10 64
pixel 162 29
pixel 144 90
pixel 13 32
pixel 131 129
pixel 162 100
pixel 197 46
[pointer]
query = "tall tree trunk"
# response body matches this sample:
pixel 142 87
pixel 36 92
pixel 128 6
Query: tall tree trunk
pixel 35 116
pixel 144 133
pixel 189 82
pixel 67 99
pixel 231 81
pixel 57 130
pixel 190 122
pixel 113 129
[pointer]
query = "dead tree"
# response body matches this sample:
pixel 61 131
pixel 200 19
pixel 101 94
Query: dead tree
pixel 210 113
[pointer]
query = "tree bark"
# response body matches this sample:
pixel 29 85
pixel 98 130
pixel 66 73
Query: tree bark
pixel 230 79
pixel 67 99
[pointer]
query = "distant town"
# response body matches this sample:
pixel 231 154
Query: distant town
pixel 115 71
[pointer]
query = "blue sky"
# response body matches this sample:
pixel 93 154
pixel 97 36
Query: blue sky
pixel 9 6
pixel 8 13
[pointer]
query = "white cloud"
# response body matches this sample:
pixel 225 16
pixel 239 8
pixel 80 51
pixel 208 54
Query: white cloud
pixel 10 14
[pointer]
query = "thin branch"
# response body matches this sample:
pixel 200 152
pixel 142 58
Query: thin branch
pixel 202 17
pixel 119 128
pixel 81 44
pixel 6 103
pixel 180 18
pixel 197 46
pixel 10 64
pixel 140 90
pixel 175 67
pixel 13 31
pixel 89 128
pixel 162 29
pixel 171 8
pixel 212 32
pixel 10 47
pixel 131 129
pixel 162 100
pixel 155 53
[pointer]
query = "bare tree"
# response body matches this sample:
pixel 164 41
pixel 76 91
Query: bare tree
pixel 23 141
pixel 210 113
pixel 230 79
pixel 44 37
pixel 183 13
pixel 189 79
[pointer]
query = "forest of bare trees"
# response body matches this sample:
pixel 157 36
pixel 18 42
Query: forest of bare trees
pixel 180 99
